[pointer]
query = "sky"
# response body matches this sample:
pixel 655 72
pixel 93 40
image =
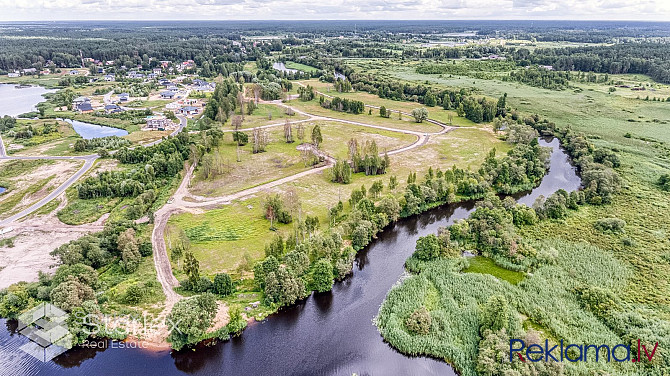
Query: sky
pixel 53 10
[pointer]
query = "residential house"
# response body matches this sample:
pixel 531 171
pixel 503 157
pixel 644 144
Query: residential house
pixel 80 100
pixel 74 72
pixel 164 82
pixel 174 105
pixel 13 74
pixel 168 94
pixel 158 123
pixel 157 71
pixel 85 107
pixel 123 97
pixel 190 110
pixel 110 78
pixel 152 76
pixel 113 109
pixel 30 71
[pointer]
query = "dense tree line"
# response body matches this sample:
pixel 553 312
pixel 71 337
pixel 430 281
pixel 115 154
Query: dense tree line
pixel 342 105
pixel 156 164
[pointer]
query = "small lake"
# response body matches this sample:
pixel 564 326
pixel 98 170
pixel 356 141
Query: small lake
pixel 326 334
pixel 89 131
pixel 281 67
pixel 15 101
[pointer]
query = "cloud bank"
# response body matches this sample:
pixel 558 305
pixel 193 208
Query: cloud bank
pixel 641 10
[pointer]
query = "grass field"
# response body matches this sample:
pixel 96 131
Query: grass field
pixel 337 135
pixel 435 113
pixel 300 67
pixel 483 265
pixel 267 114
pixel 223 239
pixel 407 122
pixel 280 159
pixel 29 181
pixel 56 143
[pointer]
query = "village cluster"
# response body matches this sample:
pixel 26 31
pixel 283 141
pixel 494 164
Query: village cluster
pixel 175 83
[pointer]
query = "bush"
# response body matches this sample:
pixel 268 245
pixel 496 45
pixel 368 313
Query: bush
pixel 419 321
pixel 427 248
pixel 223 284
pixel 134 294
pixel 614 225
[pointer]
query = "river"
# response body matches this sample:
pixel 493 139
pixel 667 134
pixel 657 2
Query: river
pixel 15 101
pixel 327 334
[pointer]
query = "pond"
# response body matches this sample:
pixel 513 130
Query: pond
pixel 17 101
pixel 281 67
pixel 89 131
pixel 326 334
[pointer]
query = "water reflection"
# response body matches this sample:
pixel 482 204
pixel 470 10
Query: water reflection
pixel 326 334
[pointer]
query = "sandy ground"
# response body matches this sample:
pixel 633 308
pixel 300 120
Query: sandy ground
pixel 34 239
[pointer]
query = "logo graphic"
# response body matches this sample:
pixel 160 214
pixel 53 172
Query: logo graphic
pixel 46 327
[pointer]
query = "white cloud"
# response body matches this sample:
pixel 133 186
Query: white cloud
pixel 645 10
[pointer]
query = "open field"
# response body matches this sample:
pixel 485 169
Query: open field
pixel 29 181
pixel 337 135
pixel 435 113
pixel 280 159
pixel 407 122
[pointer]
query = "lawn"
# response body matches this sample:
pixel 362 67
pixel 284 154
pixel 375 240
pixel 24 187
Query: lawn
pixel 485 265
pixel 300 67
pixel 223 239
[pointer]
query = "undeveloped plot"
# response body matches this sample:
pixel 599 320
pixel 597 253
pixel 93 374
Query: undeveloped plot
pixel 337 135
pixel 462 147
pixel 220 173
pixel 30 181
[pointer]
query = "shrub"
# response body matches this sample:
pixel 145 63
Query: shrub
pixel 614 225
pixel 419 321
pixel 134 294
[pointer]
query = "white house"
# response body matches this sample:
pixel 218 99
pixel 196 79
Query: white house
pixel 13 74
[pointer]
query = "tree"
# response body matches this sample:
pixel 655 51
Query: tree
pixel 420 114
pixel 322 277
pixel 223 284
pixel 317 139
pixel 301 132
pixel 282 287
pixel 497 314
pixel 341 172
pixel 190 319
pixel 427 248
pixel 288 132
pixel 419 321
pixel 130 254
pixel 192 268
pixel 382 111
pixel 71 293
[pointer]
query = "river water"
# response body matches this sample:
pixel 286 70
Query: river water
pixel 327 334
pixel 14 102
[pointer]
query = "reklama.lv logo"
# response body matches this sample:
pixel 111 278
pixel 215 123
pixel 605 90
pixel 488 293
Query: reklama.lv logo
pixel 577 353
